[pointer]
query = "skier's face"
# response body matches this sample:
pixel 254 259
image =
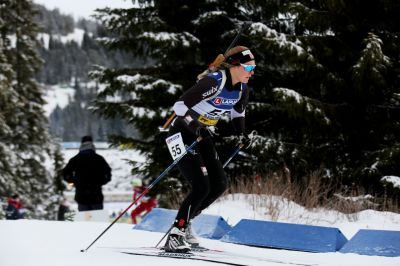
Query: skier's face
pixel 245 71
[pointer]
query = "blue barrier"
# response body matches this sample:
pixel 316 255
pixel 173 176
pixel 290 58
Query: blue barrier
pixel 286 236
pixel 374 243
pixel 207 226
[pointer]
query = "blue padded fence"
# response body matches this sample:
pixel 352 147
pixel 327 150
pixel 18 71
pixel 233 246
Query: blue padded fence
pixel 374 243
pixel 281 235
pixel 286 236
pixel 207 226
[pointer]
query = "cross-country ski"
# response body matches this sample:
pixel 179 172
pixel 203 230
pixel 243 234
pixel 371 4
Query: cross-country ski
pixel 204 254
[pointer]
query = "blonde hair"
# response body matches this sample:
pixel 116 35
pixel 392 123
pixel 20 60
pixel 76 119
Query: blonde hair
pixel 219 63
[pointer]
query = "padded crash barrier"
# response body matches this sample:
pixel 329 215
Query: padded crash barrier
pixel 286 236
pixel 204 225
pixel 374 243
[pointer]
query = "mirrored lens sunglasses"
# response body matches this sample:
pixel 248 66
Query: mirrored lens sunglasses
pixel 248 68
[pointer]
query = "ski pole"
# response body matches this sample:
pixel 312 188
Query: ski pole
pixel 223 166
pixel 233 155
pixel 146 190
pixel 240 146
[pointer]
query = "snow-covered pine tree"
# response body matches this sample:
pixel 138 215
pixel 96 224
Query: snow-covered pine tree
pixel 335 91
pixel 178 39
pixel 29 153
pixel 303 104
pixel 8 98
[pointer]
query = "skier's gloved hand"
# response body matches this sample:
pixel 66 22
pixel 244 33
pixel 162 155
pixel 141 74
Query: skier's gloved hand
pixel 245 140
pixel 196 128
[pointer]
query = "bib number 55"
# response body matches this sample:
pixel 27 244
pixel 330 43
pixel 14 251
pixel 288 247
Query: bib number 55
pixel 175 145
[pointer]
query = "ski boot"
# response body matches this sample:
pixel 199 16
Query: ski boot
pixel 176 241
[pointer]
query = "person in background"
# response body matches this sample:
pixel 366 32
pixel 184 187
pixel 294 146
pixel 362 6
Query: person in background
pixel 218 93
pixel 88 171
pixel 14 206
pixel 146 204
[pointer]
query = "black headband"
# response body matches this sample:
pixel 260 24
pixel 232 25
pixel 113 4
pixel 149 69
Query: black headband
pixel 240 57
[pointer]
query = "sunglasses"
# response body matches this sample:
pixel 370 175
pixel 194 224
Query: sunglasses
pixel 248 68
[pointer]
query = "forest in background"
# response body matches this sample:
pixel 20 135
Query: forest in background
pixel 325 98
pixel 35 55
pixel 66 63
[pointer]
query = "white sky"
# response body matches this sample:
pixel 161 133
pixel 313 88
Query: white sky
pixel 82 8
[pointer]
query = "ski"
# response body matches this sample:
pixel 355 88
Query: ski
pixel 196 249
pixel 190 256
pixel 210 255
pixel 202 249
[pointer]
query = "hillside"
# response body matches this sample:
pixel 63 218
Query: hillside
pixel 70 51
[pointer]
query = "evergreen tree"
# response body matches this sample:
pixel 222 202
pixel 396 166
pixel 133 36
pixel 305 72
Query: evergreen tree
pixel 144 95
pixel 334 96
pixel 325 91
pixel 360 77
pixel 8 99
pixel 26 142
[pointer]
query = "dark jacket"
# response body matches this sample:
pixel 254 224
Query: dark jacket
pixel 88 171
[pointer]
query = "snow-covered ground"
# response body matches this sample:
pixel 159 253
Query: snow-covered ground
pixel 49 243
pixel 42 243
pixel 235 207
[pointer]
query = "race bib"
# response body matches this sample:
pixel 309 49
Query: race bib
pixel 207 121
pixel 175 145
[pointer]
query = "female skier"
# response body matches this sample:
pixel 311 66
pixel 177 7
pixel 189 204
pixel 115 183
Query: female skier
pixel 223 91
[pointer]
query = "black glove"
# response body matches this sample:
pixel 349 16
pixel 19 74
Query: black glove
pixel 196 128
pixel 203 132
pixel 245 141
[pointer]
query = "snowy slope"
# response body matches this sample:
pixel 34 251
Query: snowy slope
pixel 50 243
pixel 57 96
pixel 42 243
pixel 235 207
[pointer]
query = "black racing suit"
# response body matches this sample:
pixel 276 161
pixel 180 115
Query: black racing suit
pixel 200 106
